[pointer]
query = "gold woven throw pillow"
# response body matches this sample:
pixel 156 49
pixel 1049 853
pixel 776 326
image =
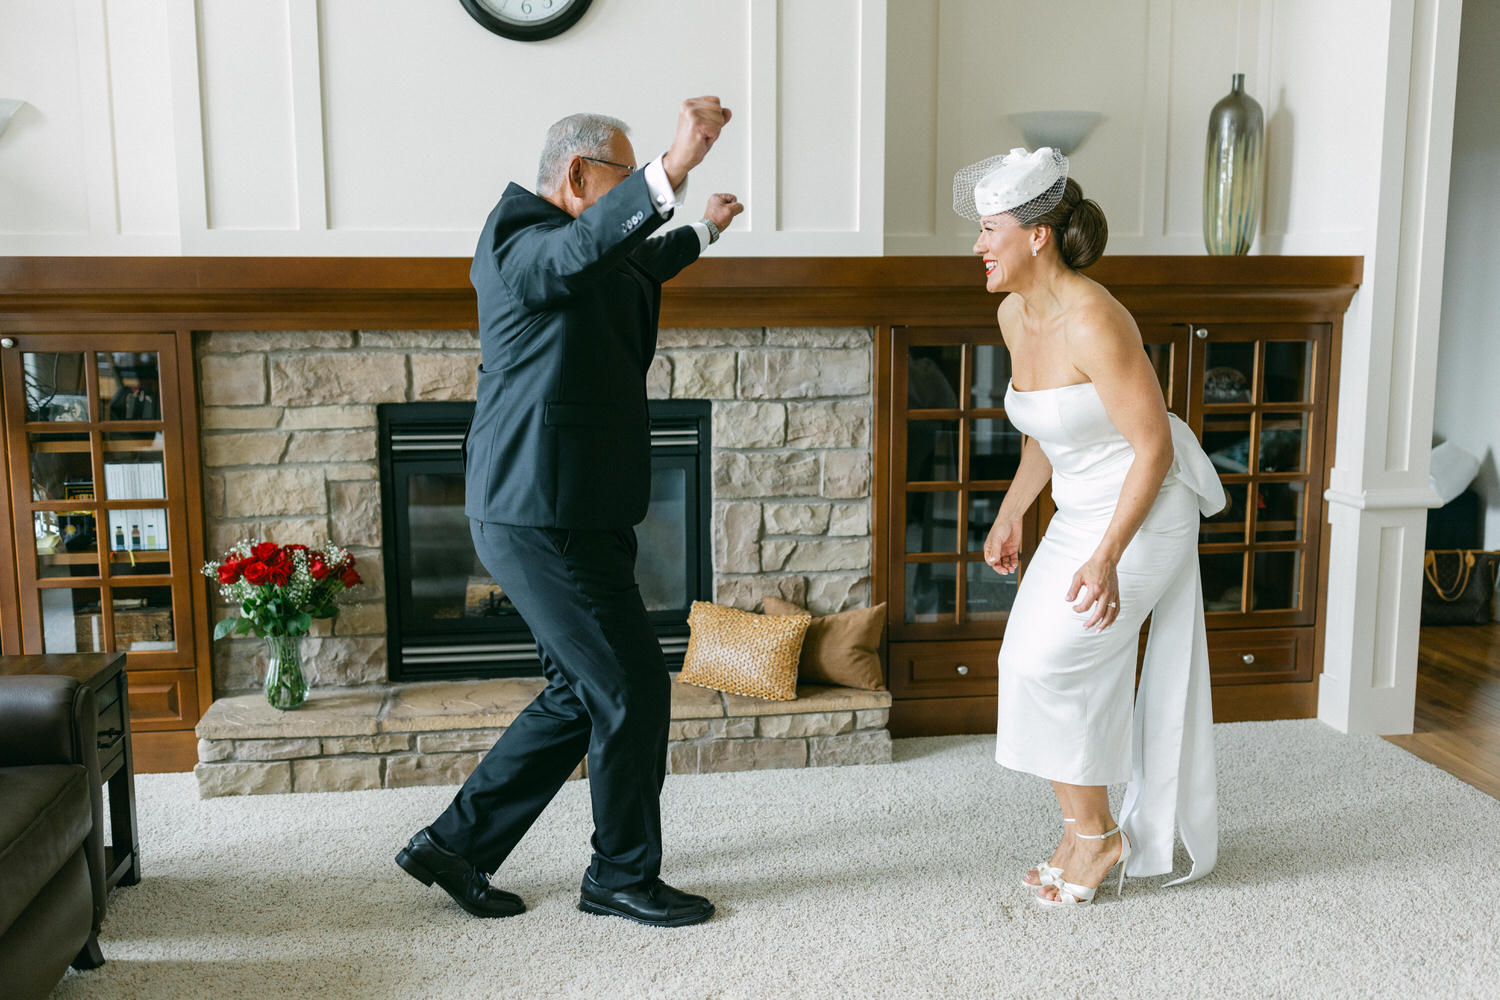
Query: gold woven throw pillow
pixel 841 649
pixel 743 653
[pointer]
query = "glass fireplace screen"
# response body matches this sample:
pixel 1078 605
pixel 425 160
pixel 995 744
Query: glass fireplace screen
pixel 446 617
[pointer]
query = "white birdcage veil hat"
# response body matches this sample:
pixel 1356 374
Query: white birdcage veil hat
pixel 1025 185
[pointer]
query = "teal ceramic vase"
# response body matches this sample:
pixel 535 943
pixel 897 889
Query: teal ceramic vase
pixel 1234 171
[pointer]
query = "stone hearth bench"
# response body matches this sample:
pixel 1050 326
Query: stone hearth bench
pixel 435 733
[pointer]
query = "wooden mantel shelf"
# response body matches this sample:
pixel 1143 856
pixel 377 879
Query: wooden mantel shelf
pixel 248 293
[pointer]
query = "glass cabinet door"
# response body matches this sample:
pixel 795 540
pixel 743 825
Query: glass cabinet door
pixel 104 567
pixel 1257 397
pixel 955 455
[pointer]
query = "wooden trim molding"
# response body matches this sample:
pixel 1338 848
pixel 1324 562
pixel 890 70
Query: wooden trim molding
pixel 39 294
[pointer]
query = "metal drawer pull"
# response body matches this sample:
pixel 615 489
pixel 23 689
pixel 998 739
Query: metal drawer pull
pixel 1201 333
pixel 7 342
pixel 963 671
pixel 1249 658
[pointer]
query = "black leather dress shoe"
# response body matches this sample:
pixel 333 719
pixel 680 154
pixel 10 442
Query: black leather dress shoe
pixel 654 903
pixel 427 861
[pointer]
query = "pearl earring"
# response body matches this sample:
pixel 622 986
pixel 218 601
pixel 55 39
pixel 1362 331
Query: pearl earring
pixel 1033 250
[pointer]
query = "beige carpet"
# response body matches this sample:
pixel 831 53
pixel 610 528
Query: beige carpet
pixel 1348 868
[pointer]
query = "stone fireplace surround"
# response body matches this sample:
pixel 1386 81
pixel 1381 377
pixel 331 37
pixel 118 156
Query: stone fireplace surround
pixel 289 453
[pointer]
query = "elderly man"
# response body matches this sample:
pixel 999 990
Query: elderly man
pixel 557 475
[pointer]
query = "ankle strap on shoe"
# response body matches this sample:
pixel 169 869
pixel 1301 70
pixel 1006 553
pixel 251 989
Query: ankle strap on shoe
pixel 1097 836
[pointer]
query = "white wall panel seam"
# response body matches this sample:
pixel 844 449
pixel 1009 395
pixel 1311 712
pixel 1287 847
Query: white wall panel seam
pixel 187 123
pixel 764 72
pixel 101 171
pixel 870 170
pixel 304 45
pixel 1156 135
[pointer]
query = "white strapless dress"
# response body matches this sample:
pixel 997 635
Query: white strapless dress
pixel 1065 694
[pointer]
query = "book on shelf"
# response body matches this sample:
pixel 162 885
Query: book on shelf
pixel 134 481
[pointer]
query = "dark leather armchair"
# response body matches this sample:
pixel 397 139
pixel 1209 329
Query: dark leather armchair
pixel 51 834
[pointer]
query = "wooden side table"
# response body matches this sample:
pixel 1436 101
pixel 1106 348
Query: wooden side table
pixel 105 673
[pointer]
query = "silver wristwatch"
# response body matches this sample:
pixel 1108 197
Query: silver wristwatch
pixel 713 230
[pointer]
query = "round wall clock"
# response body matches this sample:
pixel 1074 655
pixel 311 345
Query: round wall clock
pixel 526 20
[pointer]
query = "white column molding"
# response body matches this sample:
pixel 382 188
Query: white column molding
pixel 1379 493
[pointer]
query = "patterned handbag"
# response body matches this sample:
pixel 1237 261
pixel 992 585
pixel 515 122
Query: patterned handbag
pixel 1458 586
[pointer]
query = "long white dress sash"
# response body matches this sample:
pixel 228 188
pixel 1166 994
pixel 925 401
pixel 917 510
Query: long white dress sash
pixel 1173 784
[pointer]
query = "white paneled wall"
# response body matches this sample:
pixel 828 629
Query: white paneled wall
pixel 389 127
pixel 249 146
pixel 1154 68
pixel 44 175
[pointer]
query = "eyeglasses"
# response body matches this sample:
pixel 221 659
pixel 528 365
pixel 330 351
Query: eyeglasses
pixel 609 163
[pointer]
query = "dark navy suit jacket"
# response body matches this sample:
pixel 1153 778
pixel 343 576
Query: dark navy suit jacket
pixel 567 322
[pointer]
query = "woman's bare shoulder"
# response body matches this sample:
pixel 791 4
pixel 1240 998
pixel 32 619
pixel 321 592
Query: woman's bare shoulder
pixel 1098 320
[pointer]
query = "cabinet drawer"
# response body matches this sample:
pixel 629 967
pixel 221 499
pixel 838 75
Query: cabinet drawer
pixel 111 729
pixel 939 669
pixel 109 693
pixel 163 699
pixel 1260 656
pixel 110 760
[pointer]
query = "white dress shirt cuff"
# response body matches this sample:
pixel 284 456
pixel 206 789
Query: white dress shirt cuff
pixel 703 237
pixel 663 197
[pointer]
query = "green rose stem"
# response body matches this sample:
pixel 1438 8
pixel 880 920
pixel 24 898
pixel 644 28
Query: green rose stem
pixel 286 687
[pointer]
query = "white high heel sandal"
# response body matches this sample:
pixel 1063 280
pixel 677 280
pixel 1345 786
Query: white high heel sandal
pixel 1046 873
pixel 1072 894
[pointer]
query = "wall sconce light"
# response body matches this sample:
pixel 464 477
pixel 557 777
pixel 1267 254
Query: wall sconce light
pixel 1062 130
pixel 8 107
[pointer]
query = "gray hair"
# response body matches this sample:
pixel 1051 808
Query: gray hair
pixel 582 134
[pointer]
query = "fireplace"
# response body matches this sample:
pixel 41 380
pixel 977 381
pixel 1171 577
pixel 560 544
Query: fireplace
pixel 446 617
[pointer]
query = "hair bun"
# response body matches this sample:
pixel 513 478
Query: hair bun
pixel 1078 227
pixel 1083 234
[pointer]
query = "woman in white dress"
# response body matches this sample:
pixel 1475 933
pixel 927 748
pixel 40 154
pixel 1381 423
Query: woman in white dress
pixel 1129 482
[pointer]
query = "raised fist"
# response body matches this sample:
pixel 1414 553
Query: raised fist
pixel 721 210
pixel 698 126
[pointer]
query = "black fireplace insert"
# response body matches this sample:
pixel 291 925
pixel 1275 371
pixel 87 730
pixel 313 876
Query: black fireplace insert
pixel 446 617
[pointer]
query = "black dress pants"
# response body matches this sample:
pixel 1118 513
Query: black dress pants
pixel 608 695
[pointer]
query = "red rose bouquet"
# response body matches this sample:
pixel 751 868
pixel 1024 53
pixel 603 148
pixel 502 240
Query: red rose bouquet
pixel 280 588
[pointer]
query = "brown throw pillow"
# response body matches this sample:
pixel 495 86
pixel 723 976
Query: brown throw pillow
pixel 841 649
pixel 742 652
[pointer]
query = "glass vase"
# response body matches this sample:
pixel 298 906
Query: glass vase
pixel 286 687
pixel 1234 171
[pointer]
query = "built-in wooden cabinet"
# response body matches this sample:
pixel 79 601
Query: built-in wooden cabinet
pixel 103 505
pixel 942 449
pixel 1259 394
